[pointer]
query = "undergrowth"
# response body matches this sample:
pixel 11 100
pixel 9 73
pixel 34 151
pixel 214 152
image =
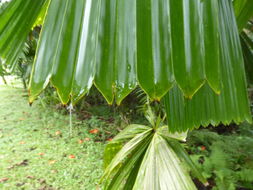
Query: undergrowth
pixel 226 160
pixel 38 151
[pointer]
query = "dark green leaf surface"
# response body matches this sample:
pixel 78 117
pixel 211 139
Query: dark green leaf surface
pixel 130 35
pixel 112 43
pixel 206 107
pixel 63 59
pixel 116 51
pixel 243 12
pixel 195 57
pixel 64 51
pixel 154 51
pixel 80 52
pixel 86 58
pixel 50 49
pixel 194 27
pixel 16 22
pixel 212 45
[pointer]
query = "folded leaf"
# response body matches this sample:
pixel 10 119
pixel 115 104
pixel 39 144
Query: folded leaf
pixel 113 147
pixel 86 59
pixel 106 41
pixel 206 107
pixel 161 169
pixel 122 164
pixel 194 26
pixel 154 51
pixel 116 51
pixel 65 47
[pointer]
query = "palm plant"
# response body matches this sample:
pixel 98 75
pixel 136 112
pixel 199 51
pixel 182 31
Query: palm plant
pixel 24 63
pixel 148 157
pixel 186 52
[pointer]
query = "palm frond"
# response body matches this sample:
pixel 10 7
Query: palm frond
pixel 232 105
pixel 148 159
pixel 16 22
pixel 118 45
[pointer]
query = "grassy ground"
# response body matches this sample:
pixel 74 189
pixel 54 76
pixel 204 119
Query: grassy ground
pixel 37 152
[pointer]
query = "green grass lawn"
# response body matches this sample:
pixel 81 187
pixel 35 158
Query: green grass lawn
pixel 37 152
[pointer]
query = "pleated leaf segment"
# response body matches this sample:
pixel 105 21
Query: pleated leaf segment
pixel 206 107
pixel 114 44
pixel 90 43
pixel 16 22
pixel 186 48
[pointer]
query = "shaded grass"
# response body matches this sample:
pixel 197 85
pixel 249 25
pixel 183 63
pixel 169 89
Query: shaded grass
pixel 37 152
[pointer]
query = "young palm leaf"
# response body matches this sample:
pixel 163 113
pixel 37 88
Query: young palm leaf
pixel 161 169
pixel 143 157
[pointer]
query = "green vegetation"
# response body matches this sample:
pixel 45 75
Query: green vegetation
pixel 37 152
pixel 224 155
pixel 187 56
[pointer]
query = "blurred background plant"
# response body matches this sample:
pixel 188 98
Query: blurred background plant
pixel 23 67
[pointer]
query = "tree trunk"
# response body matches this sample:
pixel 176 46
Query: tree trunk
pixel 5 82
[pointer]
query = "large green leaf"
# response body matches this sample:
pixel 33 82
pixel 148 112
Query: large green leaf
pixel 130 34
pixel 16 22
pixel 66 49
pixel 80 52
pixel 116 52
pixel 154 51
pixel 111 43
pixel 195 57
pixel 195 44
pixel 206 107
